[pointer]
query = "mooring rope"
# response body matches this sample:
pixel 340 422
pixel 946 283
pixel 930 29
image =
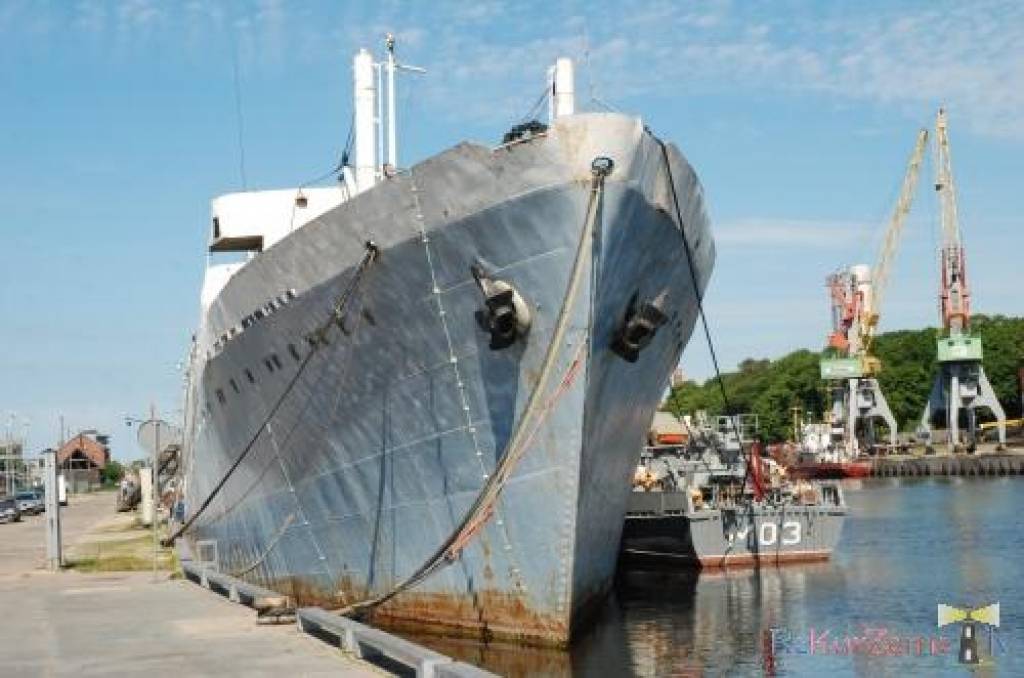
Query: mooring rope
pixel 483 506
pixel 700 309
pixel 318 339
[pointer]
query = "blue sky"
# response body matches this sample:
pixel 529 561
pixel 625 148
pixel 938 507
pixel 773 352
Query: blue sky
pixel 118 124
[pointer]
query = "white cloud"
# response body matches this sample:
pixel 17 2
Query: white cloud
pixel 908 57
pixel 968 56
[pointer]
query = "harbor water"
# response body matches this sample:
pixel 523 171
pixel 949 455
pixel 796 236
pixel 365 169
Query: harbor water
pixel 907 546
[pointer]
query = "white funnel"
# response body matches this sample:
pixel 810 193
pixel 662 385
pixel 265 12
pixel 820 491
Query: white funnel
pixel 365 89
pixel 563 89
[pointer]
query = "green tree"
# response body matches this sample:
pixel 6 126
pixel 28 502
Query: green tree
pixel 769 388
pixel 112 473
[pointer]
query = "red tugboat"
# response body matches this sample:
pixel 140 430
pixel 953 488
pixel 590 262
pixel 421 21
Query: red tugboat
pixel 825 470
pixel 818 457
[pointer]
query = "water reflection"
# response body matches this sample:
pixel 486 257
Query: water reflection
pixel 668 622
pixel 906 545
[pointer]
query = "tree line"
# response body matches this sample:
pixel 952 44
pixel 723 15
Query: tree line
pixel 771 388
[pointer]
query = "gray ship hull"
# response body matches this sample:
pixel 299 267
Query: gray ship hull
pixel 384 441
pixel 658 526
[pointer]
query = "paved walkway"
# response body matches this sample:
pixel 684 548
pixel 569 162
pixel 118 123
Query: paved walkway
pixel 130 624
pixel 126 624
pixel 23 544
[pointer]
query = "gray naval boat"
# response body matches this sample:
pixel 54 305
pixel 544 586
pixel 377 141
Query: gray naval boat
pixel 416 395
pixel 696 504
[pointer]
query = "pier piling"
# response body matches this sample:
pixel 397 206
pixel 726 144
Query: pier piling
pixel 982 465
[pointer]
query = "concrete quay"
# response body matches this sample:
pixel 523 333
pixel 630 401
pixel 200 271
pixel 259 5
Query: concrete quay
pixel 991 464
pixel 130 624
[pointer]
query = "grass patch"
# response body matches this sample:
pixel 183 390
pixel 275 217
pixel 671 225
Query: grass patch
pixel 110 563
pixel 131 553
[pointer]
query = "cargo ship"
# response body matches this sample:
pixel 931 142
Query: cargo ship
pixel 716 502
pixel 416 394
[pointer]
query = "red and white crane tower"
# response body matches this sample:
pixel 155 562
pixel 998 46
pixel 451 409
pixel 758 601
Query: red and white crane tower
pixel 961 386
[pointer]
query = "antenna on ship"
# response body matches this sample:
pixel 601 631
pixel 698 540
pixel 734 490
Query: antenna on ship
pixel 370 118
pixel 391 65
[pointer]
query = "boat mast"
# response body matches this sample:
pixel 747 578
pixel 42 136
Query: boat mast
pixel 372 126
pixel 389 44
pixel 391 66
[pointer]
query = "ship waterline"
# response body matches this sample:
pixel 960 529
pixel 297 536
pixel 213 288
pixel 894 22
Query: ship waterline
pixel 747 536
pixel 371 451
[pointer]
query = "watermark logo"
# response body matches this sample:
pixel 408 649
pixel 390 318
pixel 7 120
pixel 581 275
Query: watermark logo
pixel 885 641
pixel 866 640
pixel 969 621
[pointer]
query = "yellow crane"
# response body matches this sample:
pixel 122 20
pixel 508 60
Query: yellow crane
pixel 856 295
pixel 887 254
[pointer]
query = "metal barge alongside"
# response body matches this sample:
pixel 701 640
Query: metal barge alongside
pixel 421 392
pixel 696 504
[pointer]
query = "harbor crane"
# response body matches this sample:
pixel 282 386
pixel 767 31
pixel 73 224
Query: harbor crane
pixel 960 386
pixel 849 365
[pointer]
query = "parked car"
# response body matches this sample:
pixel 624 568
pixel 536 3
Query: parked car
pixel 9 512
pixel 29 503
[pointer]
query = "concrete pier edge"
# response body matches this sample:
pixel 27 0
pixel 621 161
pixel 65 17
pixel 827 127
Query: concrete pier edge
pixel 352 637
pixel 980 465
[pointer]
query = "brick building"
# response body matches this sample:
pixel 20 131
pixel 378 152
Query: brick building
pixel 81 459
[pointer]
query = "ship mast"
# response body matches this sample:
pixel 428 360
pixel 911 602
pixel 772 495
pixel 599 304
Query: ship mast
pixel 391 66
pixel 389 44
pixel 376 119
